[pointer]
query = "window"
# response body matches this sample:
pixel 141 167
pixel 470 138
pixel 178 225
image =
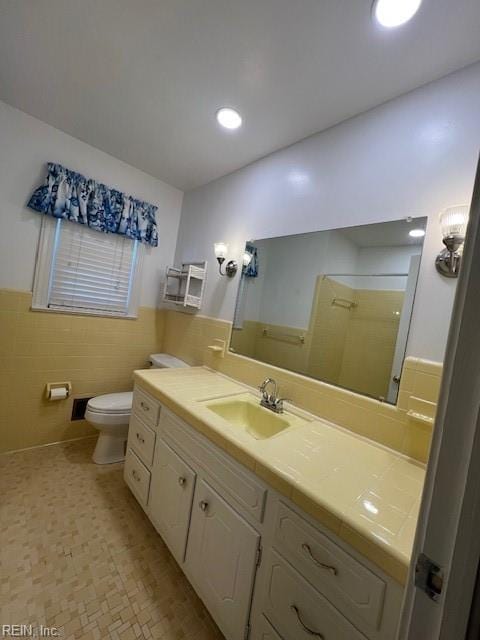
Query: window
pixel 80 270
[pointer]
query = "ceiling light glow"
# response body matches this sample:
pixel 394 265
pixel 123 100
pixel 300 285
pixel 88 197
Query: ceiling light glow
pixel 229 118
pixel 416 233
pixel 393 13
pixel 369 506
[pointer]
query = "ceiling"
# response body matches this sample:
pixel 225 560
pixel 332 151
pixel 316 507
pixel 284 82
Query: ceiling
pixel 142 79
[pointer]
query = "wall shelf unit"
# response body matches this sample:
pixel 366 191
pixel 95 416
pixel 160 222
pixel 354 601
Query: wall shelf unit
pixel 185 286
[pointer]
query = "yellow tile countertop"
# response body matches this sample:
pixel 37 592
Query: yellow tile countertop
pixel 366 494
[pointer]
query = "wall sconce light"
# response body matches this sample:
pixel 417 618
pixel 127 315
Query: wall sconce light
pixel 221 253
pixel 454 222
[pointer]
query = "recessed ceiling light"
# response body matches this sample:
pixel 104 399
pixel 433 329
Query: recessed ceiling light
pixel 416 233
pixel 229 118
pixel 393 13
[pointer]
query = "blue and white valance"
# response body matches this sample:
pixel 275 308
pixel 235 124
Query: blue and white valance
pixel 71 196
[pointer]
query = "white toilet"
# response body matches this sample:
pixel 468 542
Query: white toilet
pixel 110 414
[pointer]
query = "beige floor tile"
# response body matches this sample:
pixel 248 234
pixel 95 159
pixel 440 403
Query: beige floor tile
pixel 78 553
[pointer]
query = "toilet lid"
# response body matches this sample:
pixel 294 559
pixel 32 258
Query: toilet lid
pixel 166 361
pixel 112 403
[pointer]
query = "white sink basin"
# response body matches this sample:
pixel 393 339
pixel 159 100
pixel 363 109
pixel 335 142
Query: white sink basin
pixel 244 412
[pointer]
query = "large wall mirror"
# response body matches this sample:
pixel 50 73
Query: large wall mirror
pixel 333 305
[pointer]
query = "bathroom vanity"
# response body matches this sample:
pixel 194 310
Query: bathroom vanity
pixel 270 558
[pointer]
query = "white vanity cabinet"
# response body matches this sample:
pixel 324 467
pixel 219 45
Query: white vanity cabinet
pixel 297 610
pixel 264 631
pixel 171 495
pixel 221 559
pixel 263 568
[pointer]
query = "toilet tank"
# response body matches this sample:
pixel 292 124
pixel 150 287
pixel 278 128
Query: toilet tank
pixel 166 361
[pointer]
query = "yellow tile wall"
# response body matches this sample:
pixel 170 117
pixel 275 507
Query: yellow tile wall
pixel 289 353
pixel 336 340
pixel 329 325
pixel 370 339
pixel 98 355
pixel 244 339
pixel 188 337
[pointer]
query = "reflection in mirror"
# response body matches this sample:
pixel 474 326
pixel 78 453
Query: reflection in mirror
pixel 333 305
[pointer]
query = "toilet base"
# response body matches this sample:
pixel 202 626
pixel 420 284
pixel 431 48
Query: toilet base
pixel 109 449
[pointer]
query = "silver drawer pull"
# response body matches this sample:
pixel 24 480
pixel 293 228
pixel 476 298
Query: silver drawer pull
pixel 144 406
pixel 327 567
pixel 135 475
pixel 203 505
pixel 140 439
pixel 182 481
pixel 311 632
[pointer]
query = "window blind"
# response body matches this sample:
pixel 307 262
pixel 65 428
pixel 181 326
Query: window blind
pixel 91 270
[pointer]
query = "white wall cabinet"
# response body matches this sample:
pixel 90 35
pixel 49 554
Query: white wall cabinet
pixel 221 559
pixel 219 519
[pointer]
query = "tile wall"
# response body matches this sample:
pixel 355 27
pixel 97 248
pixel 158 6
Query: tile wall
pixel 97 355
pixel 188 337
pixel 338 337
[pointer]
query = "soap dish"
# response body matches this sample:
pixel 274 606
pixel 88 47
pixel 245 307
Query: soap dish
pixel 218 348
pixel 421 410
pixel 420 417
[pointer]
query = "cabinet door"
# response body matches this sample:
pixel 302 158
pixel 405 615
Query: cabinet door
pixel 221 560
pixel 263 630
pixel 171 494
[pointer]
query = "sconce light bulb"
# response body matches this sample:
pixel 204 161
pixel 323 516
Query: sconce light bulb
pixel 247 258
pixel 454 220
pixel 220 250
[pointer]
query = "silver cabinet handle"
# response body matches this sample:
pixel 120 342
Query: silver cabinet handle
pixel 182 481
pixel 135 475
pixel 203 505
pixel 140 439
pixel 144 406
pixel 311 632
pixel 322 565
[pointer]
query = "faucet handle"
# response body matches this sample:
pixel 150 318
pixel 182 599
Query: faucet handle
pixel 279 404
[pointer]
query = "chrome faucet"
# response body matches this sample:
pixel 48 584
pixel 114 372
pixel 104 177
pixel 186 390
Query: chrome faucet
pixel 271 400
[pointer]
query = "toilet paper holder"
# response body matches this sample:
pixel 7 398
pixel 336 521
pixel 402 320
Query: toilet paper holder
pixel 58 385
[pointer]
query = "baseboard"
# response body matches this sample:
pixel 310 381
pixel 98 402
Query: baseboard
pixel 49 444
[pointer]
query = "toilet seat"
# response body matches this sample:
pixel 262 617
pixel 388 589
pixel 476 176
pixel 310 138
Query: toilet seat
pixel 111 403
pixel 110 415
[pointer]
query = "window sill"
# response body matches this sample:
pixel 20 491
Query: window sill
pixel 83 312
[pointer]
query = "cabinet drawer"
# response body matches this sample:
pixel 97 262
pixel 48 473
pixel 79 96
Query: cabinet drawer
pixel 356 591
pixel 299 612
pixel 137 476
pixel 171 495
pixel 241 486
pixel 141 439
pixel 263 630
pixel 146 407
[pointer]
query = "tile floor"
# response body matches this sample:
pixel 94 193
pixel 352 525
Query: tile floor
pixel 78 553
